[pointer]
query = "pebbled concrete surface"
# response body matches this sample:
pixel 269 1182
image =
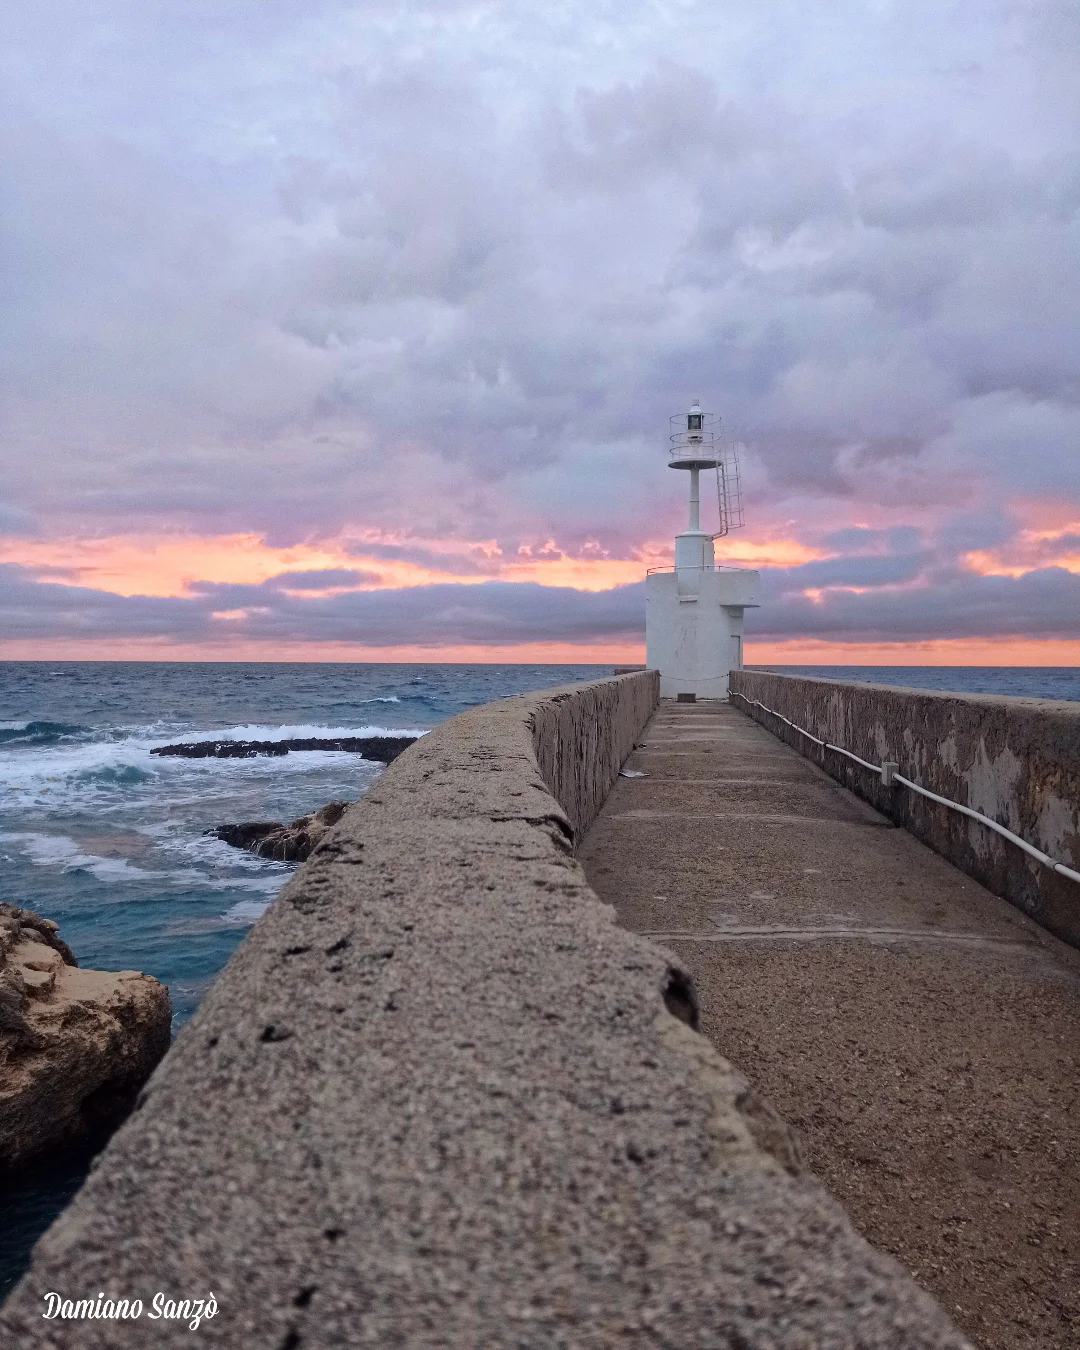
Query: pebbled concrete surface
pixel 439 1098
pixel 920 1033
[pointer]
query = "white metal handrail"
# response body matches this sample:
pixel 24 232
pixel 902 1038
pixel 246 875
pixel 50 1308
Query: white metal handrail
pixel 695 567
pixel 889 776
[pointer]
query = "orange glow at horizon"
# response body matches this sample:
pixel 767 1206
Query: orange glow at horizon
pixel 932 652
pixel 239 649
pixel 170 566
pixel 793 652
pixel 173 565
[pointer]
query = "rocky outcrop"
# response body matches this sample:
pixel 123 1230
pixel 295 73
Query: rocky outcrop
pixel 284 843
pixel 381 748
pixel 75 1045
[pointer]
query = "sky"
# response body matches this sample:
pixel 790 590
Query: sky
pixel 352 330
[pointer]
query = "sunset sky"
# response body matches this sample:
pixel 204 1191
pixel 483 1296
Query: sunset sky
pixel 351 330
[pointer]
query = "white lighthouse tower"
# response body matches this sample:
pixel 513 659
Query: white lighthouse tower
pixel 694 611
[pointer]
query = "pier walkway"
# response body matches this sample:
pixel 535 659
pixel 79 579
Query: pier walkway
pixel 921 1034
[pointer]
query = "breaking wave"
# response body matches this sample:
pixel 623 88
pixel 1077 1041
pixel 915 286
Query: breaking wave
pixel 34 734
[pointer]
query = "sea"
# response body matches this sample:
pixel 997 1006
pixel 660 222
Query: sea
pixel 111 842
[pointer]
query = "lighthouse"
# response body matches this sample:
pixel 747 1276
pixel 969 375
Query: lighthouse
pixel 694 611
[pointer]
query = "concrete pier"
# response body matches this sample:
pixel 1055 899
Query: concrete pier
pixel 920 1033
pixel 439 1098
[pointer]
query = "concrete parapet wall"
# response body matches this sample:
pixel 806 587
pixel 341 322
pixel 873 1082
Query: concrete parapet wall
pixel 438 1098
pixel 582 736
pixel 1016 760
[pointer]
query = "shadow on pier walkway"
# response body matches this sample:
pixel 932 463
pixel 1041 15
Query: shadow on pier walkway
pixel 921 1034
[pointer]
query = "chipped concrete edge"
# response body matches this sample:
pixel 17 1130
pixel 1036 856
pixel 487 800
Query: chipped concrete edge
pixel 1016 760
pixel 458 865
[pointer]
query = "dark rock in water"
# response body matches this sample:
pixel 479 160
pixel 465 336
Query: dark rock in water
pixel 383 748
pixel 75 1045
pixel 284 843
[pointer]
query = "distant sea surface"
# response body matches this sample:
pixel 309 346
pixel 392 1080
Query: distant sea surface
pixel 109 841
pixel 1016 681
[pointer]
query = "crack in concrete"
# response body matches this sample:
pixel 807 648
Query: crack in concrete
pixel 775 933
pixel 768 817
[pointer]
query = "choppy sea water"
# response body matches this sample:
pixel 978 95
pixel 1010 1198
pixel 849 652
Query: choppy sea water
pixel 108 840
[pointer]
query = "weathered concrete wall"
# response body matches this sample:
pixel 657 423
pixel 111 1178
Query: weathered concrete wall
pixel 1016 760
pixel 438 1098
pixel 582 736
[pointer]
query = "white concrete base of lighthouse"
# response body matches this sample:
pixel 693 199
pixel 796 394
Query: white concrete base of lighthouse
pixel 693 627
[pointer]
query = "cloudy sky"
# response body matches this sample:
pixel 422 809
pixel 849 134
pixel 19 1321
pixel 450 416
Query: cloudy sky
pixel 352 329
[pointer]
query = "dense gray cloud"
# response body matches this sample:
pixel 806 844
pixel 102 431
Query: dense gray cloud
pixel 295 268
pixel 490 613
pixel 862 570
pixel 321 579
pixel 1040 604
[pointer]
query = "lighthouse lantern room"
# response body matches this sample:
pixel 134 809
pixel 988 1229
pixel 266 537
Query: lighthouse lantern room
pixel 694 611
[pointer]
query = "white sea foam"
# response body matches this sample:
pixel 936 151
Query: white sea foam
pixel 298 732
pixel 266 874
pixel 101 767
pixel 59 850
pixel 246 911
pixel 65 853
pixel 209 851
pixel 262 885
pixel 30 765
pixel 109 776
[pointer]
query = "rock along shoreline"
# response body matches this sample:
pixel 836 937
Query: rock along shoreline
pixel 381 748
pixel 294 840
pixel 75 1045
pixel 282 842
